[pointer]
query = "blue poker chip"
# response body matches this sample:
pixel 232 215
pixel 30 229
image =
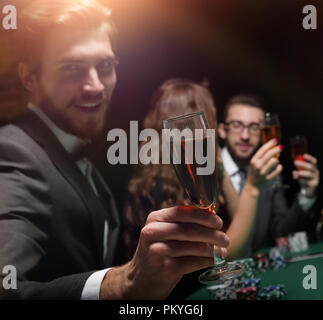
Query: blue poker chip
pixel 253 282
pixel 276 287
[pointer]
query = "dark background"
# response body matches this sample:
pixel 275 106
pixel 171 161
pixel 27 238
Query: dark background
pixel 257 47
pixel 244 46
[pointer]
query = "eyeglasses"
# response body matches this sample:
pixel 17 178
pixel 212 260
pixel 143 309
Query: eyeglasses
pixel 237 127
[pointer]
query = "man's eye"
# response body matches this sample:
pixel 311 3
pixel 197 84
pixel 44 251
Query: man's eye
pixel 255 127
pixel 236 124
pixel 107 66
pixel 70 68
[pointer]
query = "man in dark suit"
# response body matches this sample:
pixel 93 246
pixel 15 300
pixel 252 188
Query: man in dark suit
pixel 59 225
pixel 279 211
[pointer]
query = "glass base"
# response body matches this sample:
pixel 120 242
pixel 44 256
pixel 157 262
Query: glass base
pixel 219 274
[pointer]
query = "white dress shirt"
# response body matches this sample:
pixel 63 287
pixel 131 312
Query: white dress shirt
pixel 233 171
pixel 91 290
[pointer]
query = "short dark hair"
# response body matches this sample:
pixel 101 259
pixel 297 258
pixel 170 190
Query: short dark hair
pixel 244 99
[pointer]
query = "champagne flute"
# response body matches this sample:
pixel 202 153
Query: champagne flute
pixel 200 188
pixel 271 129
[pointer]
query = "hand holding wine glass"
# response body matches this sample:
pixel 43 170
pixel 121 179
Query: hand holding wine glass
pixel 271 129
pixel 201 188
pixel 306 171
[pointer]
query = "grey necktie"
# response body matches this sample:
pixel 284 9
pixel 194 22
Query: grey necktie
pixel 88 171
pixel 243 177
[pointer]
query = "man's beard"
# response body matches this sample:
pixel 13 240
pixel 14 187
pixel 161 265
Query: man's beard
pixel 67 124
pixel 241 162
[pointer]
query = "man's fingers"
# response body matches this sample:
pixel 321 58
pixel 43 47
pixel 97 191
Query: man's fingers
pixel 191 264
pixel 310 159
pixel 177 249
pixel 308 175
pixel 165 231
pixel 309 166
pixel 186 214
pixel 220 252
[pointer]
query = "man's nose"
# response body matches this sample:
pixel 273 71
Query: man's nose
pixel 93 83
pixel 245 133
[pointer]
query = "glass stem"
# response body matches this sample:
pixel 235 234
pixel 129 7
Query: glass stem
pixel 218 262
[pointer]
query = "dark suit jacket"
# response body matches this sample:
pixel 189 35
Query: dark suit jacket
pixel 51 221
pixel 280 214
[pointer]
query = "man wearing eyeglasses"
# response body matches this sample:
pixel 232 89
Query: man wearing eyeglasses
pixel 252 168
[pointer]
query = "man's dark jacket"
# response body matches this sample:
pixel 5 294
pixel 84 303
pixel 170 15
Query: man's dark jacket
pixel 51 221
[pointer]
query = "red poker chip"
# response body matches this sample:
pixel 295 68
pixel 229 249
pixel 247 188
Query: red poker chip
pixel 282 242
pixel 249 293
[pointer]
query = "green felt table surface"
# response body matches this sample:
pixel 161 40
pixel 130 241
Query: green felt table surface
pixel 291 276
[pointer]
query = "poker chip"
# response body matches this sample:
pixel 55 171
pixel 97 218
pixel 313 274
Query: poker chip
pixel 271 295
pixel 273 292
pixel 298 242
pixel 275 287
pixel 222 292
pixel 261 262
pixel 249 293
pixel 235 282
pixel 247 274
pixel 277 258
pixel 248 268
pixel 247 286
pixel 253 282
pixel 282 242
pixel 247 262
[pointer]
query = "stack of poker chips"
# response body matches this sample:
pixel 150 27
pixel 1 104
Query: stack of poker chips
pixel 277 258
pixel 254 282
pixel 248 268
pixel 249 293
pixel 273 292
pixel 261 262
pixel 298 242
pixel 223 291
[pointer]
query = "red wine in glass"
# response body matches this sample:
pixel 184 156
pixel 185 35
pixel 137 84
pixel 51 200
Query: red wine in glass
pixel 298 147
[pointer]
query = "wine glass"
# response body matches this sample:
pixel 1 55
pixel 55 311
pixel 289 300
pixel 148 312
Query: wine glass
pixel 270 129
pixel 200 188
pixel 298 147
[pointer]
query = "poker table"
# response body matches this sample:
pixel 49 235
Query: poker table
pixel 291 276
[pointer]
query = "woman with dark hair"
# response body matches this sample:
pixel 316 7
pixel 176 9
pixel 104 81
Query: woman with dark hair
pixel 155 186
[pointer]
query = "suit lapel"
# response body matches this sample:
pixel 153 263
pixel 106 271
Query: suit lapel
pixel 35 128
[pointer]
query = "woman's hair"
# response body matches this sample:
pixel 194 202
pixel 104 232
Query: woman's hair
pixel 155 186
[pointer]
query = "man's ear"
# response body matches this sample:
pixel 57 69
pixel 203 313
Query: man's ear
pixel 222 131
pixel 27 76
